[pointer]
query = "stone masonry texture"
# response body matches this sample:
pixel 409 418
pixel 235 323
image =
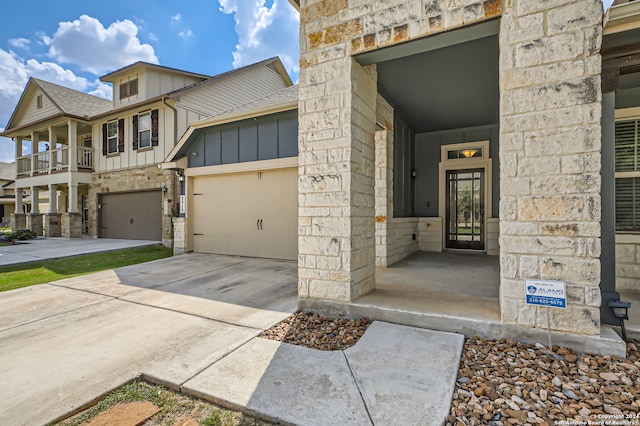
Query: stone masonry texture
pixel 550 110
pixel 127 180
pixel 550 158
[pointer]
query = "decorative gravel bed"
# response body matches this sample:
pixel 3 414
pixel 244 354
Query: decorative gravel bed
pixel 317 331
pixel 505 382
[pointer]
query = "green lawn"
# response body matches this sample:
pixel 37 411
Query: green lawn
pixel 18 276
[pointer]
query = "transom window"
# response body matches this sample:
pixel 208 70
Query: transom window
pixel 144 130
pixel 129 88
pixel 112 137
pixel 627 148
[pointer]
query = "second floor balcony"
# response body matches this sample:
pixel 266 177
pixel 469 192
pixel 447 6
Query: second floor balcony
pixel 56 160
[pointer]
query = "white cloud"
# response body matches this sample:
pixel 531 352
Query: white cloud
pixel 177 17
pixel 264 32
pixel 186 34
pixel 19 42
pixel 87 43
pixel 102 90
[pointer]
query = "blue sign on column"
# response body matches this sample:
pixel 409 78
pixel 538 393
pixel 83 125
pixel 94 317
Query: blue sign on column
pixel 545 293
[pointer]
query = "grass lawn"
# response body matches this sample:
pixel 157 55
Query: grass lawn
pixel 17 276
pixel 175 408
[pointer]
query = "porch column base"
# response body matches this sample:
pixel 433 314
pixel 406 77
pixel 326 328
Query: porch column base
pixel 179 235
pixel 34 223
pixel 18 221
pixel 72 225
pixel 52 224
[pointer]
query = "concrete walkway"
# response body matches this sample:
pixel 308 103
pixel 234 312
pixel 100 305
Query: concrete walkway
pixel 191 322
pixel 55 248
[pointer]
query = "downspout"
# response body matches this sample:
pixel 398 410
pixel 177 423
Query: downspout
pixel 175 140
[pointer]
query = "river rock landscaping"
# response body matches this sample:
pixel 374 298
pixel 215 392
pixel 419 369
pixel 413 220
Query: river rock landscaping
pixel 505 382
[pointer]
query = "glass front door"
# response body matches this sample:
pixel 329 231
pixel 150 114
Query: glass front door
pixel 465 209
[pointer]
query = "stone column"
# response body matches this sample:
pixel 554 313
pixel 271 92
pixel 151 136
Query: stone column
pixel 72 225
pixel 179 235
pixel 336 242
pixel 52 225
pixel 18 221
pixel 34 223
pixel 550 140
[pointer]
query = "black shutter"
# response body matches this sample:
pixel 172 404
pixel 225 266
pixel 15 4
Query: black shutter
pixel 104 139
pixel 135 132
pixel 154 127
pixel 121 135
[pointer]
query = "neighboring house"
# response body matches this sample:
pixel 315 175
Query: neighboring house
pixel 99 160
pixel 7 192
pixel 241 170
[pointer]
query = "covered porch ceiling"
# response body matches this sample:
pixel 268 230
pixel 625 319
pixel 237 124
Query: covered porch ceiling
pixel 441 82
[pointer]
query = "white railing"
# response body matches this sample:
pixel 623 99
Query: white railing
pixel 52 161
pixel 85 158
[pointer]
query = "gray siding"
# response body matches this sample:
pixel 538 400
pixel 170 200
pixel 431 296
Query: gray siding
pixel 403 165
pixel 264 138
pixel 427 159
pixel 231 91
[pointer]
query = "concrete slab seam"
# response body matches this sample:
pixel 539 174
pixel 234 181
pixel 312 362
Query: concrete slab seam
pixel 194 275
pixel 59 313
pixel 353 376
pixel 219 359
pixel 119 298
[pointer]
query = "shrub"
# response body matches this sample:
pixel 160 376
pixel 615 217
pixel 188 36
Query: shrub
pixel 20 235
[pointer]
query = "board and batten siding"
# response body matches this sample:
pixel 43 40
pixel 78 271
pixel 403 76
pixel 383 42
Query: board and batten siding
pixel 131 158
pixel 263 138
pixel 33 113
pixel 151 83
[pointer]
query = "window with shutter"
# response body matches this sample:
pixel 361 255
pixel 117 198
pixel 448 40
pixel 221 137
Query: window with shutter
pixel 130 88
pixel 112 137
pixel 144 130
pixel 627 157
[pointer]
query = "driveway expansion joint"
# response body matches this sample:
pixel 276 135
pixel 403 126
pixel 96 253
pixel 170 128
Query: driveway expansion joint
pixel 355 380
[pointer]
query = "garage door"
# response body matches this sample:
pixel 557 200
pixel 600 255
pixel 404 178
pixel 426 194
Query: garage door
pixel 131 215
pixel 247 214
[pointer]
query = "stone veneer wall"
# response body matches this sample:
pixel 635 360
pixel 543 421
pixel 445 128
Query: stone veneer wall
pixel 550 136
pixel 394 236
pixel 628 262
pixel 135 179
pixel 337 117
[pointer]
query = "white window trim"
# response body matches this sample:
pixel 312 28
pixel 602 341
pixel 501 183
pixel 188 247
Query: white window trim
pixel 482 162
pixel 141 131
pixel 115 122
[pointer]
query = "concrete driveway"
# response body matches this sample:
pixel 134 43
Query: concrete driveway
pixel 190 322
pixel 62 345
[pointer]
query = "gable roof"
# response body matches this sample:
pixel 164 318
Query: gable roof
pixel 140 64
pixel 73 102
pixel 67 101
pixel 275 61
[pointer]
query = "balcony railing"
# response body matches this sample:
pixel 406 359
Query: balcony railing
pixel 53 161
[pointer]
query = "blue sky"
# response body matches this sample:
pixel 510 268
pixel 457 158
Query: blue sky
pixel 74 42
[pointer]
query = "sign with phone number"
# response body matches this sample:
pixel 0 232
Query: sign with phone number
pixel 545 293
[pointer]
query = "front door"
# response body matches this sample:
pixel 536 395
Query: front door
pixel 465 209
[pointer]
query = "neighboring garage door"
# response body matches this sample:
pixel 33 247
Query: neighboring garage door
pixel 247 214
pixel 131 215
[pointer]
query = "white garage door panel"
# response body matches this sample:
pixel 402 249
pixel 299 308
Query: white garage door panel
pixel 227 208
